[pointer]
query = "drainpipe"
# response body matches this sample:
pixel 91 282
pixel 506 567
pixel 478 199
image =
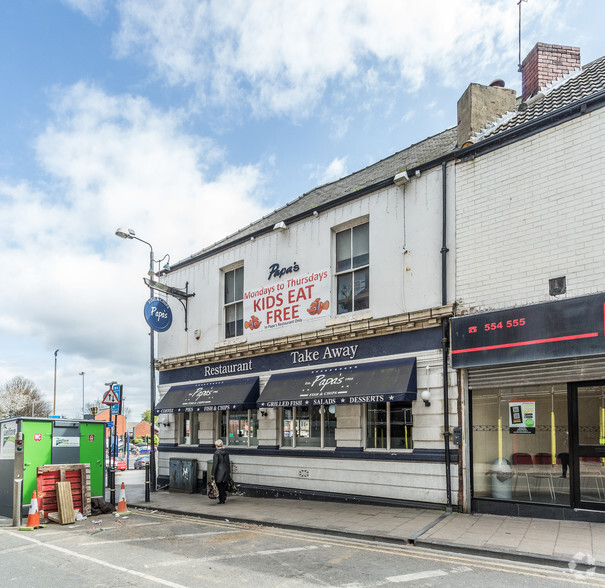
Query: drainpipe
pixel 445 340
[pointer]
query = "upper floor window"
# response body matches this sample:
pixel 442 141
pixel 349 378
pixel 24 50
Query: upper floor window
pixel 234 302
pixel 352 269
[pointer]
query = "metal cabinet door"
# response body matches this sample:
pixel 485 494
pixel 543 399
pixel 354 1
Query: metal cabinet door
pixel 91 452
pixel 37 451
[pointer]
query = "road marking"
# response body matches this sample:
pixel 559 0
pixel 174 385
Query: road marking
pixel 414 552
pixel 136 539
pixel 417 576
pixel 98 561
pixel 238 555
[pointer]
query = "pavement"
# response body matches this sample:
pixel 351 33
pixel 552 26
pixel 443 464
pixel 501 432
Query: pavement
pixel 575 544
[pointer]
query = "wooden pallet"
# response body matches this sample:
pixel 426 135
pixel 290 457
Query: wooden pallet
pixel 77 474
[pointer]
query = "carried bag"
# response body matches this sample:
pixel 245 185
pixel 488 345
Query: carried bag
pixel 231 486
pixel 212 490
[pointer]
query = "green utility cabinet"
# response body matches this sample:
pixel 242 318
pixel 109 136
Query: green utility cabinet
pixel 27 443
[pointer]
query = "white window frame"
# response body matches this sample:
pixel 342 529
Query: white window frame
pixel 237 303
pixel 388 432
pixel 218 425
pixel 322 443
pixel 353 269
pixel 194 425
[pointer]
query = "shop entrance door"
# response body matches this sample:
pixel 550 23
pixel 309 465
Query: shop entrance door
pixel 588 444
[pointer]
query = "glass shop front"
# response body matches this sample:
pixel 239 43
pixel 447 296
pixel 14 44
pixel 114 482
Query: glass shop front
pixel 536 428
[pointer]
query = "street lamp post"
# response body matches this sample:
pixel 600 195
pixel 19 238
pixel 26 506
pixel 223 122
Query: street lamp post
pixel 55 386
pixel 82 374
pixel 129 234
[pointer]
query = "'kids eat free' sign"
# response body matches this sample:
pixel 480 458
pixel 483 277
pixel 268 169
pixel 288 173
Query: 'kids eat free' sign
pixel 294 299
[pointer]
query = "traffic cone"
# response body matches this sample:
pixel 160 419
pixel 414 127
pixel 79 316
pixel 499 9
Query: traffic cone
pixel 122 509
pixel 33 516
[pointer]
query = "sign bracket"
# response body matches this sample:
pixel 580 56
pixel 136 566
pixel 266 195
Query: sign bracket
pixel 181 295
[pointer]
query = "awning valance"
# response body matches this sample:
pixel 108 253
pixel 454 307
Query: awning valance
pixel 240 394
pixel 380 381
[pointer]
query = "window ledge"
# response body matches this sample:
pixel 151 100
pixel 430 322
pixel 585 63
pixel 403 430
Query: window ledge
pixel 388 450
pixel 349 318
pixel 282 448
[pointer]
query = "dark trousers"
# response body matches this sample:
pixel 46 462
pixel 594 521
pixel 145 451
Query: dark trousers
pixel 564 457
pixel 222 491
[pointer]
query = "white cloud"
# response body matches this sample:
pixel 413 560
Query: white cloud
pixel 110 161
pixel 336 169
pixel 95 10
pixel 281 56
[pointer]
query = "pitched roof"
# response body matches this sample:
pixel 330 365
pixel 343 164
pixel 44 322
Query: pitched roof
pixel 577 85
pixel 427 150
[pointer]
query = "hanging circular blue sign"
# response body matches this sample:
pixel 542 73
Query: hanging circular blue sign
pixel 158 314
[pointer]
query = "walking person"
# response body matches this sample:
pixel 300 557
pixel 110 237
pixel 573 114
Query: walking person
pixel 221 470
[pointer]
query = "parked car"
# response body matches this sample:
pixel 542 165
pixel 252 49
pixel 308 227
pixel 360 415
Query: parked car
pixel 143 448
pixel 120 463
pixel 141 462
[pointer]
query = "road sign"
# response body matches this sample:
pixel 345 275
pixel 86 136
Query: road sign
pixel 109 424
pixel 111 398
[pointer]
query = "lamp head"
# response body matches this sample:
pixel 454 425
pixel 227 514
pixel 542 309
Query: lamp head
pixel 125 233
pixel 426 397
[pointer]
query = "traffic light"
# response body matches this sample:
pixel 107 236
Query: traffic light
pixel 94 410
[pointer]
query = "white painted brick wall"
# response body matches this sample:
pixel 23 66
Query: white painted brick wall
pixel 532 211
pixel 399 282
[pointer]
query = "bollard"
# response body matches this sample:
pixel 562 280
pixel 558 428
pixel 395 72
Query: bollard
pixel 112 486
pixel 147 489
pixel 17 502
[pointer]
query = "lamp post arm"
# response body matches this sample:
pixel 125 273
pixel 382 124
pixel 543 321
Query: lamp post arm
pixel 151 272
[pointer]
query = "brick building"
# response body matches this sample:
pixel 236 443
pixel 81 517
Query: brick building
pixel 318 341
pixel 529 338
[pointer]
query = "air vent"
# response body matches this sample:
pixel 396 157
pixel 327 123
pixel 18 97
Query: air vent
pixel 557 286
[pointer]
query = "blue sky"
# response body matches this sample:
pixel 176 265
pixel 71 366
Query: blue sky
pixel 186 120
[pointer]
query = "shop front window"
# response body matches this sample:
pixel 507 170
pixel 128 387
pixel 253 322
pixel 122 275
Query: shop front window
pixel 188 428
pixel 309 426
pixel 389 425
pixel 520 444
pixel 239 428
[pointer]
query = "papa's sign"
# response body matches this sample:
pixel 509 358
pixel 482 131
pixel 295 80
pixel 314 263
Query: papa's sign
pixel 295 299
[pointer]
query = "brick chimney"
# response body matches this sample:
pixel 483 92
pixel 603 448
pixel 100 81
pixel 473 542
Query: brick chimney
pixel 545 64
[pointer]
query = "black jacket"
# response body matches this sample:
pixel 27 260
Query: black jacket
pixel 220 466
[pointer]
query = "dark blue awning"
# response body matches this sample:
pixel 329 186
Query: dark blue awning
pixel 380 381
pixel 240 394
